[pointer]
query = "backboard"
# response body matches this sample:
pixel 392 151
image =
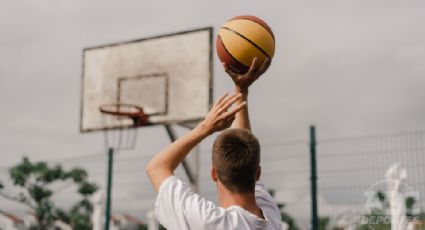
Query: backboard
pixel 170 76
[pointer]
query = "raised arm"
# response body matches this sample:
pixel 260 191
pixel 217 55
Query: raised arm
pixel 242 83
pixel 164 163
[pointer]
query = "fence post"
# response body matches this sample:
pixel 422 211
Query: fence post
pixel 313 178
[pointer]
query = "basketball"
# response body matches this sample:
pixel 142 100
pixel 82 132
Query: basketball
pixel 243 38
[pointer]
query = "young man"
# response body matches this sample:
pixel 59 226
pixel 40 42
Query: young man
pixel 244 202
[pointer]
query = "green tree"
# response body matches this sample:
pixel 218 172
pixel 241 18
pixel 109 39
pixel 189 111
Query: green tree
pixel 36 181
pixel 323 223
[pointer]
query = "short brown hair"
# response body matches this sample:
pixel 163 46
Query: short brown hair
pixel 236 158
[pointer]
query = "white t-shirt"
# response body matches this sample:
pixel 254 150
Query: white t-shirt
pixel 178 207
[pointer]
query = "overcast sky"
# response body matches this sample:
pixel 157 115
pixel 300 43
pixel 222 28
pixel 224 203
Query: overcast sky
pixel 351 67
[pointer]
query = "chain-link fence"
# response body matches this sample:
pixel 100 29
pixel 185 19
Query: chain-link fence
pixel 348 169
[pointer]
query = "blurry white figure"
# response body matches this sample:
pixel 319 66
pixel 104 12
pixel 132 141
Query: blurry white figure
pixel 152 222
pixel 96 218
pixel 396 175
pixel 285 226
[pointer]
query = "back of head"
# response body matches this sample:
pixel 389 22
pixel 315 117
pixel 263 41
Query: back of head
pixel 236 158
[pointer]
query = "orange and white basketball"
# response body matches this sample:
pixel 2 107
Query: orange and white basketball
pixel 243 38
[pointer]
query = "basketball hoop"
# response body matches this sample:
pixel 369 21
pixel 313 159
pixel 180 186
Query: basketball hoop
pixel 122 138
pixel 170 93
pixel 134 112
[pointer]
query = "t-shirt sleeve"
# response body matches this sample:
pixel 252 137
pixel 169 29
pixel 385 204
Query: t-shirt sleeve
pixel 264 199
pixel 178 207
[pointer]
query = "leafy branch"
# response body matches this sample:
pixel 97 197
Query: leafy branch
pixel 36 181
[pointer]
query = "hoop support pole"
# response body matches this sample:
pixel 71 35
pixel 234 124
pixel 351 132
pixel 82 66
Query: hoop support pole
pixel 173 137
pixel 109 188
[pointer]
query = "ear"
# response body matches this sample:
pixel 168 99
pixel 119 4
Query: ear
pixel 213 173
pixel 258 173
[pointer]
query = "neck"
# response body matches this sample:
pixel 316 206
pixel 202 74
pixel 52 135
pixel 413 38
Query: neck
pixel 246 201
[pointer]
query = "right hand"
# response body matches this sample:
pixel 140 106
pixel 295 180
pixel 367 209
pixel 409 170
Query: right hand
pixel 220 117
pixel 243 81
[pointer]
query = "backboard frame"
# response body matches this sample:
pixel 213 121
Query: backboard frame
pixel 122 80
pixel 180 122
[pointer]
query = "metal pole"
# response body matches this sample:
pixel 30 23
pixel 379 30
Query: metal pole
pixel 186 167
pixel 313 178
pixel 109 188
pixel 193 160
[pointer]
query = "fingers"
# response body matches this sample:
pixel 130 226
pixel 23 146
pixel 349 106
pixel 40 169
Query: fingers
pixel 253 64
pixel 229 71
pixel 265 65
pixel 235 110
pixel 220 117
pixel 228 102
pixel 252 69
pixel 220 100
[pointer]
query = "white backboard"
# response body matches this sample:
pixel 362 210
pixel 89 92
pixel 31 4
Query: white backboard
pixel 170 76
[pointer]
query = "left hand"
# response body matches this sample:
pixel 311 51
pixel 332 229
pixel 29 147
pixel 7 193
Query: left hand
pixel 219 117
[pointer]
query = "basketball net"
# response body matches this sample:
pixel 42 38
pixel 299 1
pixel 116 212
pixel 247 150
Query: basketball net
pixel 121 138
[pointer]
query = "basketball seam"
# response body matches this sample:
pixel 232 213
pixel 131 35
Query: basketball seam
pixel 248 40
pixel 230 54
pixel 268 29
